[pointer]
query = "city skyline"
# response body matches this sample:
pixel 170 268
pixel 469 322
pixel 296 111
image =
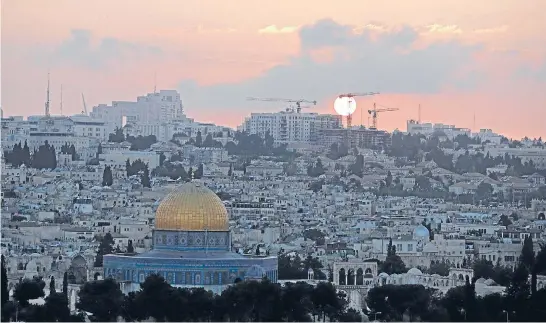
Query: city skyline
pixel 489 63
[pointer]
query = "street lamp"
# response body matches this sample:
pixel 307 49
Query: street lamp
pixel 374 315
pixel 507 314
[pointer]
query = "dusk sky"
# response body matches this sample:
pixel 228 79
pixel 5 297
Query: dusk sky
pixel 456 58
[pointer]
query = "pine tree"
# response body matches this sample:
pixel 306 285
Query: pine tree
pixel 128 167
pixel 130 248
pixel 388 180
pixel 107 178
pixel 199 171
pixel 5 293
pixel 198 139
pixel 230 171
pixel 26 154
pixel 52 286
pixel 145 178
pixel 65 284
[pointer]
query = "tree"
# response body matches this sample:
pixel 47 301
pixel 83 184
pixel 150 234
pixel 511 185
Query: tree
pixel 5 293
pixel 230 171
pixel 393 264
pixel 65 285
pixel 117 136
pixel 128 167
pixel 130 248
pixel 52 285
pixel 209 142
pixel 505 220
pixel 99 150
pixel 105 248
pixel 388 180
pixel 107 178
pixel 517 294
pixel 141 142
pixel 162 158
pixel 198 139
pixel 145 178
pixel 57 308
pixel 27 290
pixel 199 172
pixel 527 256
pixel 102 298
pixel 440 267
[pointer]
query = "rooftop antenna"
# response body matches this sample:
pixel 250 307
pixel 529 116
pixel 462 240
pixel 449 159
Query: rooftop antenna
pixel 61 99
pixel 155 82
pixel 474 122
pixel 419 114
pixel 47 98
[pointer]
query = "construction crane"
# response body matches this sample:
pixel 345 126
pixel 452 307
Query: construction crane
pixel 84 111
pixel 352 95
pixel 298 102
pixel 375 111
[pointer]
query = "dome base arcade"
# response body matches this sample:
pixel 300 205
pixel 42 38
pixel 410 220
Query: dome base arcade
pixel 192 240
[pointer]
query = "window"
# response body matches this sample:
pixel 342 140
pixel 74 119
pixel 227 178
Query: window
pixel 410 247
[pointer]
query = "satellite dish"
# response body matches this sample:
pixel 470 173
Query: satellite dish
pixel 345 106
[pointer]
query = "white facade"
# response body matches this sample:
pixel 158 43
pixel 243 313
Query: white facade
pixel 56 130
pixel 427 129
pixel 289 127
pixel 163 106
pixel 150 158
pixel 537 155
pixel 488 135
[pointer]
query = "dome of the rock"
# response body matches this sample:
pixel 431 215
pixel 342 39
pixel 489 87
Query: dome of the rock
pixel 191 207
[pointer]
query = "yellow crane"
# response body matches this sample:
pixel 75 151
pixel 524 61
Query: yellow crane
pixel 375 111
pixel 298 102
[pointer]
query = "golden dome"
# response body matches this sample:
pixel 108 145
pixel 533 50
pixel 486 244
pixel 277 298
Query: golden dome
pixel 191 207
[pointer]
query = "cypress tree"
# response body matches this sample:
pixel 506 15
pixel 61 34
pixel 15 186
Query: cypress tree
pixel 65 284
pixel 4 277
pixel 52 286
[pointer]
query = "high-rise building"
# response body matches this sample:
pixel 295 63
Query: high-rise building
pixel 287 127
pixel 356 137
pixel 152 109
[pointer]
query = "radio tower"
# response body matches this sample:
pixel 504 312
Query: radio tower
pixel 61 99
pixel 47 98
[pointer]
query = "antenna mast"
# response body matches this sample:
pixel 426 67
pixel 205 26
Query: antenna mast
pixel 61 99
pixel 155 82
pixel 419 114
pixel 47 98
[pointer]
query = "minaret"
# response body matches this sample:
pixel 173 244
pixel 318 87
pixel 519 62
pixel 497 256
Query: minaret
pixel 47 98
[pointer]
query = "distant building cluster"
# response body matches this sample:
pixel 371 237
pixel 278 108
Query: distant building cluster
pixel 137 188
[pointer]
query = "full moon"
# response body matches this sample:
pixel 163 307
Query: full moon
pixel 345 105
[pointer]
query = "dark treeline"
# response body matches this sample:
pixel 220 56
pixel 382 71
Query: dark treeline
pixel 137 143
pixel 245 301
pixel 415 147
pixel 44 157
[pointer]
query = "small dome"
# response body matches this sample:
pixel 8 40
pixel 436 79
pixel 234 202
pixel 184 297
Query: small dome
pixel 414 271
pixel 421 232
pixel 430 247
pixel 480 280
pixel 383 275
pixel 490 282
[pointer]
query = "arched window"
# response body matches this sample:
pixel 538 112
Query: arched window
pixel 342 276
